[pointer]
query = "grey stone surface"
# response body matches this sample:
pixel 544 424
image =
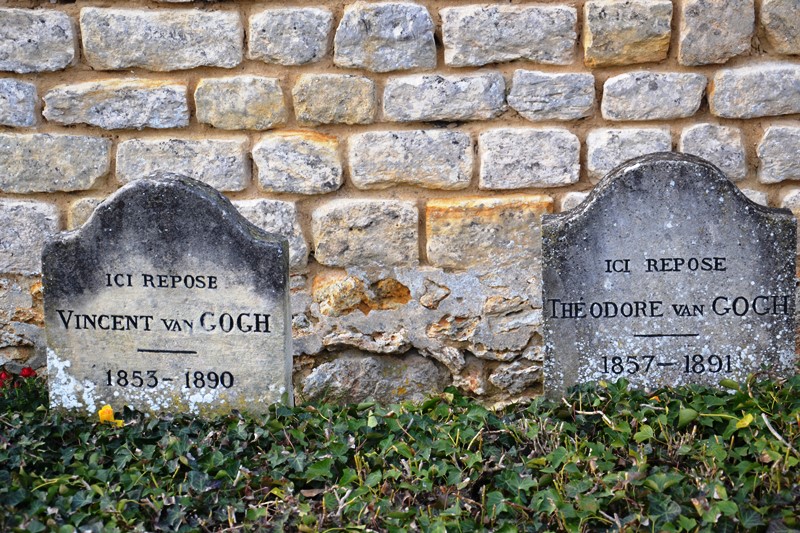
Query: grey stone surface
pixel 119 104
pixel 758 197
pixel 485 233
pixel 667 275
pixel 646 95
pixel 607 148
pixel 479 35
pixel 552 96
pixel 778 154
pixel 721 145
pixel 289 36
pixel 17 103
pixel 572 200
pixel 435 97
pixel 334 99
pixel 80 211
pixel 161 39
pixel 354 379
pixel 167 300
pixel 549 158
pixel 221 163
pixel 36 40
pixel 758 90
pixel 41 162
pixel 240 103
pixel 25 228
pixel 625 32
pixel 298 162
pixel 779 25
pixel 517 376
pixel 434 159
pixel 713 31
pixel 279 217
pixel 385 36
pixel 368 233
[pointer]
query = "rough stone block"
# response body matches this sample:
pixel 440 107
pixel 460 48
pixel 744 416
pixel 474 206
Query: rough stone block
pixel 223 164
pixel 366 233
pixel 434 159
pixel 547 96
pixel 289 36
pixel 758 197
pixel 43 162
pixel 385 36
pixel 434 97
pixel 17 103
pixel 779 25
pixel 119 104
pixel 625 32
pixel 161 39
pixel 36 40
pixel 607 148
pixel 485 232
pixel 276 216
pixel 761 90
pixel 572 200
pixel 334 99
pixel 550 158
pixel 298 162
pixel 721 145
pixel 25 228
pixel 517 376
pixel 479 35
pixel 713 31
pixel 80 211
pixel 646 95
pixel 778 154
pixel 240 103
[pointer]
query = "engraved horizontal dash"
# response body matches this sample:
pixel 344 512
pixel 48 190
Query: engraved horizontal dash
pixel 666 334
pixel 184 352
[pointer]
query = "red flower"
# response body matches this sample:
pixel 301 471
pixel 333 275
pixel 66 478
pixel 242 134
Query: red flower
pixel 28 372
pixel 4 375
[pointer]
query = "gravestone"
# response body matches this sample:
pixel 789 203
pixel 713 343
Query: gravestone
pixel 667 275
pixel 167 300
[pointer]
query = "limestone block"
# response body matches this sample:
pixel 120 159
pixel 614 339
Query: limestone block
pixel 25 228
pixel 625 32
pixel 517 376
pixel 485 233
pixel 221 163
pixel 779 24
pixel 646 95
pixel 515 158
pixel 434 159
pixel 42 162
pixel 276 216
pixel 119 104
pixel 758 197
pixel 355 379
pixel 713 31
pixel 17 103
pixel 478 35
pixel 289 36
pixel 80 211
pixel 161 39
pixel 548 96
pixel 760 90
pixel 334 99
pixel 777 154
pixel 298 162
pixel 366 233
pixel 607 148
pixel 240 103
pixel 36 40
pixel 572 200
pixel 385 36
pixel 721 145
pixel 453 97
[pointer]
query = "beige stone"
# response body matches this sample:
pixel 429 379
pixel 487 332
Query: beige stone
pixel 80 211
pixel 25 228
pixel 625 32
pixel 465 233
pixel 302 162
pixel 334 99
pixel 36 40
pixel 240 103
pixel 779 23
pixel 713 31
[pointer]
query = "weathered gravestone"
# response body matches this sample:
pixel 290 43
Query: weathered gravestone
pixel 667 275
pixel 167 300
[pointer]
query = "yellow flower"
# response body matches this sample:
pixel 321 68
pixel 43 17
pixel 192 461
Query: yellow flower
pixel 106 414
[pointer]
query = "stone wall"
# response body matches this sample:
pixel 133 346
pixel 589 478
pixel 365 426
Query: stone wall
pixel 407 150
